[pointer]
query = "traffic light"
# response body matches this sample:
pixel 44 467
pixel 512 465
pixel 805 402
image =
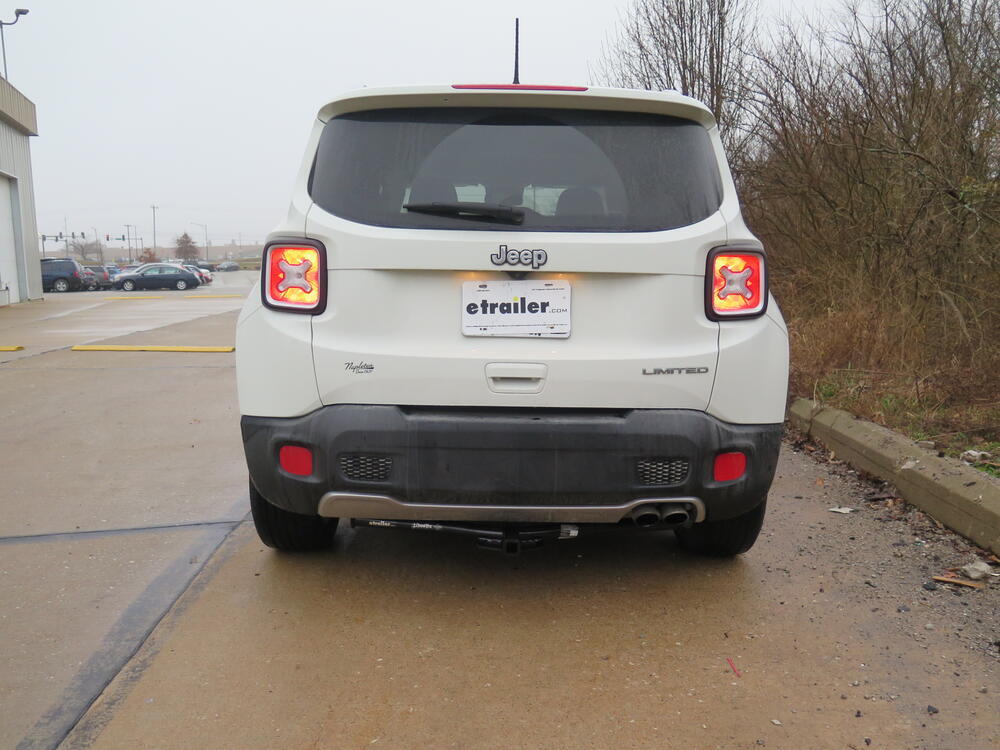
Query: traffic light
pixel 43 238
pixel 72 235
pixel 60 235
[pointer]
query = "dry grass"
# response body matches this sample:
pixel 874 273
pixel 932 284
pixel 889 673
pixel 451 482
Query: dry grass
pixel 854 360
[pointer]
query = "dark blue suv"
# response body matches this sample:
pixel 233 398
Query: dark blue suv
pixel 61 275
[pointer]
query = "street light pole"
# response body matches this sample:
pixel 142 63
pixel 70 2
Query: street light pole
pixel 3 44
pixel 154 226
pixel 205 227
pixel 128 235
pixel 100 247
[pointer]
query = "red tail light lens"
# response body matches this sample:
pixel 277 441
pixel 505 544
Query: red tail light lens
pixel 294 276
pixel 729 466
pixel 296 460
pixel 736 283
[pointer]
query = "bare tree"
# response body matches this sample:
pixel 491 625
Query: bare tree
pixel 875 184
pixel 701 48
pixel 87 250
pixel 186 247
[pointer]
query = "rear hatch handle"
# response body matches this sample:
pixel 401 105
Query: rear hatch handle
pixel 516 377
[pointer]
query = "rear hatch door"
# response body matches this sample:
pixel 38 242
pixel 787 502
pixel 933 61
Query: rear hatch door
pixel 515 256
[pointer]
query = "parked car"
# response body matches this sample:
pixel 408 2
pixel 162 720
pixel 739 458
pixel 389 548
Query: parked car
pixel 203 276
pixel 102 277
pixel 62 275
pixel 206 266
pixel 123 269
pixel 228 265
pixel 156 276
pixel 547 312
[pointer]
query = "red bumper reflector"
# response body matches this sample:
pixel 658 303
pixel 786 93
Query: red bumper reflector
pixel 297 460
pixel 730 466
pixel 517 87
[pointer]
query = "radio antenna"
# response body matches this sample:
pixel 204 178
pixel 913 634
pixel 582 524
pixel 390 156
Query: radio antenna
pixel 517 47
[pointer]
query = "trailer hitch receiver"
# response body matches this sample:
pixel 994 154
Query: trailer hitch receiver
pixel 509 539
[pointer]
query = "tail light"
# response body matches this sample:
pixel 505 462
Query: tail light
pixel 735 283
pixel 294 276
pixel 76 274
pixel 729 466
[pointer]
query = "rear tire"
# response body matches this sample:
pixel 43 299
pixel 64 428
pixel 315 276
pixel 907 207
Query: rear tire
pixel 128 285
pixel 289 532
pixel 61 285
pixel 181 285
pixel 726 538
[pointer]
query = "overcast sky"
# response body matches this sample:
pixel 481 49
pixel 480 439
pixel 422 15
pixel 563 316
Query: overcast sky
pixel 203 106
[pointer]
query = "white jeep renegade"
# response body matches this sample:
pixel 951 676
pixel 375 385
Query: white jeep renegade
pixel 509 311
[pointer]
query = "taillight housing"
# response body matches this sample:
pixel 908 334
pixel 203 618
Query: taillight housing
pixel 293 276
pixel 735 283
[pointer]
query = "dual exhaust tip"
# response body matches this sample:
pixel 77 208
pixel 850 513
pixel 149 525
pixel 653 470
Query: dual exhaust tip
pixel 647 516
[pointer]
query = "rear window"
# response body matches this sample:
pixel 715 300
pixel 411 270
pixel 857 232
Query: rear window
pixel 564 170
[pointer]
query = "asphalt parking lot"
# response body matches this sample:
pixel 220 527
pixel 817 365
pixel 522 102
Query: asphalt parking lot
pixel 140 610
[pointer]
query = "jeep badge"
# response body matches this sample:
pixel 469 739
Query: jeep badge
pixel 534 258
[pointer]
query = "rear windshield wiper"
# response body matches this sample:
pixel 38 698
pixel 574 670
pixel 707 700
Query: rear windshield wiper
pixel 462 210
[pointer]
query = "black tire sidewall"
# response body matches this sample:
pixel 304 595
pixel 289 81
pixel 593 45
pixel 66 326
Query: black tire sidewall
pixel 725 538
pixel 287 531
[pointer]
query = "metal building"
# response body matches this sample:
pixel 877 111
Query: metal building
pixel 20 267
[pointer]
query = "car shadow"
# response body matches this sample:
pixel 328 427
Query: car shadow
pixel 405 571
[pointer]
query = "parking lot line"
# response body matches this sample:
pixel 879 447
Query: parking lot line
pixel 211 296
pixel 11 348
pixel 141 348
pixel 110 299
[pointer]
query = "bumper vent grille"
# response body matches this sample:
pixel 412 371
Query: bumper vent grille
pixel 366 467
pixel 662 471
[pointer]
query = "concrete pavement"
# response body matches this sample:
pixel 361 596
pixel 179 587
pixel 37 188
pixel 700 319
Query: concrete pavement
pixel 120 474
pixel 132 586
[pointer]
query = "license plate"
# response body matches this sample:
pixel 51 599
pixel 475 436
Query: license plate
pixel 516 308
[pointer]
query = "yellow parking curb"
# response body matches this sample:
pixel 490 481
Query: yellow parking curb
pixel 11 348
pixel 109 299
pixel 139 348
pixel 211 296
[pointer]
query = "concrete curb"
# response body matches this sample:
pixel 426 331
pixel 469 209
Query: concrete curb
pixel 962 498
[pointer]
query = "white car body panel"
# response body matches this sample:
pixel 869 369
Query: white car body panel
pixel 274 364
pixel 392 334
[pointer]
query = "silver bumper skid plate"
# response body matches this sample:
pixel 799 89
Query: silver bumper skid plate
pixel 353 505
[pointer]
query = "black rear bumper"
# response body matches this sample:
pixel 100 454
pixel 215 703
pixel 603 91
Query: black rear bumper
pixel 505 457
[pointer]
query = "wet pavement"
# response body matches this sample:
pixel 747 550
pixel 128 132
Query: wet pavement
pixel 138 597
